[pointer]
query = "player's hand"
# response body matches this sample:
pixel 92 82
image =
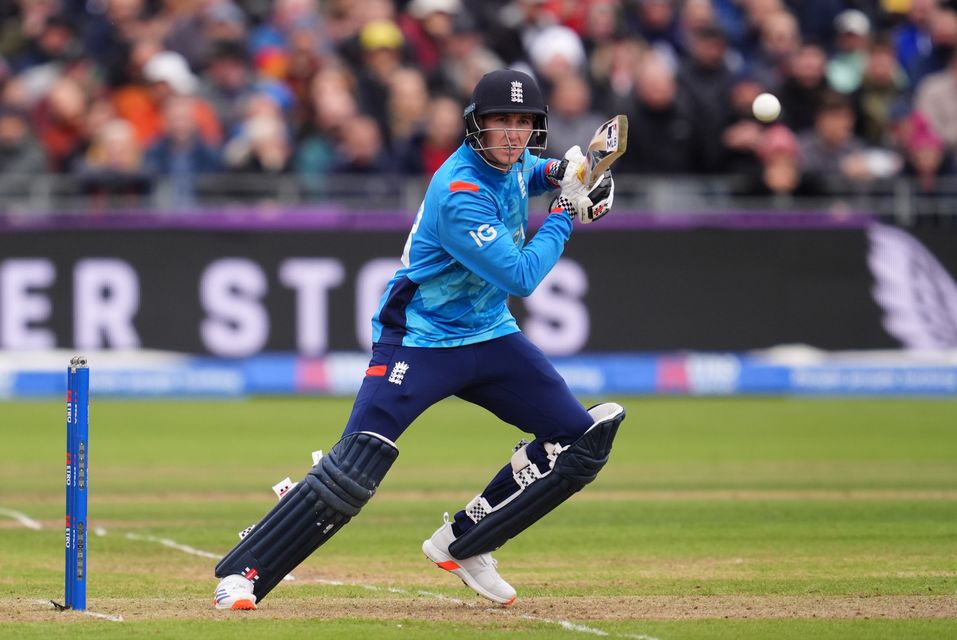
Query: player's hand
pixel 591 206
pixel 599 200
pixel 573 169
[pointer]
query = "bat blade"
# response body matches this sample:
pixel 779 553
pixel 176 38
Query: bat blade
pixel 607 145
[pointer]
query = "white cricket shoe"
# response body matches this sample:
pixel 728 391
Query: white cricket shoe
pixel 235 592
pixel 477 572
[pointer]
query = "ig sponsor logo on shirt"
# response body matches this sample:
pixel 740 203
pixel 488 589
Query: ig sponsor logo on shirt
pixel 485 233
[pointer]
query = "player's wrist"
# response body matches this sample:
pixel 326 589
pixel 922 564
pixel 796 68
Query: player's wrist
pixel 554 171
pixel 561 205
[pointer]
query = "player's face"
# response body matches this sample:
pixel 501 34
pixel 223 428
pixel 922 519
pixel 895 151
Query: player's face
pixel 506 136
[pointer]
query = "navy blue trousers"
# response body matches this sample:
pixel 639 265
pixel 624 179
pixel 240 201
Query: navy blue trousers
pixel 509 376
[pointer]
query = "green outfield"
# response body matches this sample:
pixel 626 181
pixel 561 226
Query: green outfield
pixel 715 518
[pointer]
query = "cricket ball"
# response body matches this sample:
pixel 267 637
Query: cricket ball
pixel 766 107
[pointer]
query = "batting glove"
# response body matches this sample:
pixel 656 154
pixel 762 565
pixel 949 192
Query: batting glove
pixel 574 169
pixel 591 206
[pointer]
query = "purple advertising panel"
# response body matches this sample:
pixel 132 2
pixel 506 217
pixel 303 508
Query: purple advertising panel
pixel 241 290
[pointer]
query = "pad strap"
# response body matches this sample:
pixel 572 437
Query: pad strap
pixel 310 513
pixel 573 468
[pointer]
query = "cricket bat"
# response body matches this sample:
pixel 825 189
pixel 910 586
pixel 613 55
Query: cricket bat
pixel 607 145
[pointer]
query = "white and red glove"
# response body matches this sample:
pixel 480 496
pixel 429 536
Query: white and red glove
pixel 575 198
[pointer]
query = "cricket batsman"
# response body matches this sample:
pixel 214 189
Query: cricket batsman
pixel 443 329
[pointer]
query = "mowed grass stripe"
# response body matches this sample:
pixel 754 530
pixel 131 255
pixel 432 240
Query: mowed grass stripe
pixel 594 494
pixel 750 500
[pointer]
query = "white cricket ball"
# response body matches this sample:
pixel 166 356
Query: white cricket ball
pixel 766 107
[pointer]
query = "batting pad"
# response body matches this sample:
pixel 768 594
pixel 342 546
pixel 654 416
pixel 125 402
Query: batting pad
pixel 330 495
pixel 575 466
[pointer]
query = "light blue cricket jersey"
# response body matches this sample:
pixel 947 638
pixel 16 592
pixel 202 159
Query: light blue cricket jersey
pixel 466 254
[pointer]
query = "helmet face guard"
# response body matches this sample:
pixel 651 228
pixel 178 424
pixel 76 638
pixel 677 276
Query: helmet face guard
pixel 537 140
pixel 506 91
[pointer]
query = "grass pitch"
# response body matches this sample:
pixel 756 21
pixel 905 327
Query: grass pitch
pixel 715 518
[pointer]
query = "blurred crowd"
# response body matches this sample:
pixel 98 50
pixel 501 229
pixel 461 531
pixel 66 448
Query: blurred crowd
pixel 120 92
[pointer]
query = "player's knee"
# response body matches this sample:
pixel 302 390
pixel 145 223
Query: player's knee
pixel 540 488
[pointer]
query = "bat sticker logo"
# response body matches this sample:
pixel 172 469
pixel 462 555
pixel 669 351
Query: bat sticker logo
pixel 611 137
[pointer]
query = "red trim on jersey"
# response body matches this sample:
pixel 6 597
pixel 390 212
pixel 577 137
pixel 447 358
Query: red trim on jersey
pixel 378 370
pixel 462 185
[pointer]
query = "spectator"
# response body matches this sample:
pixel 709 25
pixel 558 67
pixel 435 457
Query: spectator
pixel 263 147
pixel 845 69
pixel 112 169
pixel 912 39
pixel 381 43
pixel 408 100
pixel 307 53
pixel 56 41
pixel 55 53
pixel 804 86
pixel 556 52
pixel 166 74
pixel 656 22
pixel 614 71
pixel 899 124
pixel 332 79
pixel 427 24
pixel 21 24
pixel 176 26
pixel 99 113
pixel 830 149
pixel 943 38
pixel 181 154
pixel 21 157
pixel 779 176
pixel 226 82
pixel 223 21
pixel 465 59
pixel 756 14
pixel 60 124
pixel 134 100
pixel 705 79
pixel 937 99
pixel 443 135
pixel 508 29
pixel 110 36
pixel 571 120
pixel 695 15
pixel 882 83
pixel 925 156
pixel 604 24
pixel 780 40
pixel 743 134
pixel 661 124
pixel 816 19
pixel 286 14
pixel 357 15
pixel 333 107
pixel 425 151
pixel 361 150
pixel 926 161
pixel 731 17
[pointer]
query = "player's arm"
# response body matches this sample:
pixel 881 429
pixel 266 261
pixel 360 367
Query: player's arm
pixel 473 235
